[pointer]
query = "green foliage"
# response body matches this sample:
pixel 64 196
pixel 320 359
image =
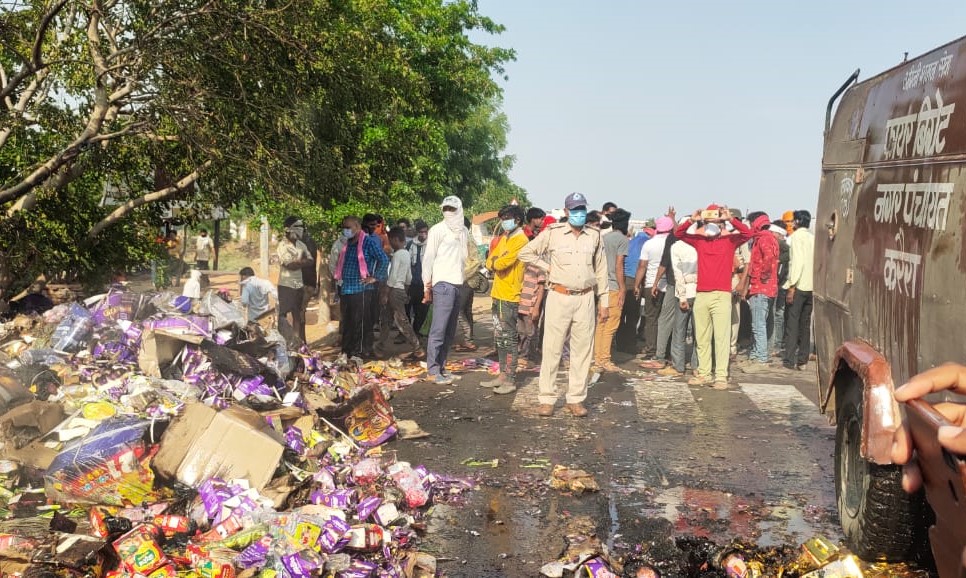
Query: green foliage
pixel 317 107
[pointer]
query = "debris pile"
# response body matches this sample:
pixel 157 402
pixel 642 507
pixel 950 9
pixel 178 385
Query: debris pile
pixel 699 557
pixel 155 435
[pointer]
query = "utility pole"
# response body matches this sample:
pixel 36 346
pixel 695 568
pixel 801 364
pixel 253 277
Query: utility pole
pixel 263 248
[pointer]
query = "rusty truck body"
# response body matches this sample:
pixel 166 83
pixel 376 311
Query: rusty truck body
pixel 890 276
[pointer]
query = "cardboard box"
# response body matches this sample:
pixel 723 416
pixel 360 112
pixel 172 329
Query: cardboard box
pixel 160 348
pixel 202 443
pixel 38 417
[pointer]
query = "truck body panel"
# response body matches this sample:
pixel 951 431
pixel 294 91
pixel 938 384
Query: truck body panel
pixel 890 253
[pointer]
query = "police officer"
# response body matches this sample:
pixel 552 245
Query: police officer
pixel 573 257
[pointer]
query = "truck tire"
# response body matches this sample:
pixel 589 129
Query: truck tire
pixel 879 519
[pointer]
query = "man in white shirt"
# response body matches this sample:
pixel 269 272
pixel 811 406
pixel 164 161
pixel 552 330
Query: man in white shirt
pixel 203 248
pixel 255 293
pixel 292 256
pixel 798 297
pixel 396 294
pixel 684 262
pixel 645 280
pixel 446 253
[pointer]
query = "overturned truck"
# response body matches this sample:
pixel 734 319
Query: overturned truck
pixel 890 277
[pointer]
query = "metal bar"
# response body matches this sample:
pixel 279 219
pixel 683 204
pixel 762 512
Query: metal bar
pixel 838 93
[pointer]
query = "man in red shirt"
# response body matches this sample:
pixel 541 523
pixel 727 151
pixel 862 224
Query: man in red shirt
pixel 759 288
pixel 712 305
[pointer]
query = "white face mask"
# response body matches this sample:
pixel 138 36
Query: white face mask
pixel 712 230
pixel 454 219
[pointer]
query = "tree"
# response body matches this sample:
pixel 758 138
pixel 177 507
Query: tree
pixel 114 106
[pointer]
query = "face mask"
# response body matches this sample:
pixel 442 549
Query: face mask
pixel 509 225
pixel 347 233
pixel 712 230
pixel 577 218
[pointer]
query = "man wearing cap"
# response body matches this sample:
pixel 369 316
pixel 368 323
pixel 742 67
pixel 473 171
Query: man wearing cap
pixel 712 304
pixel 293 255
pixel 788 219
pixel 446 253
pixel 572 254
pixel 645 281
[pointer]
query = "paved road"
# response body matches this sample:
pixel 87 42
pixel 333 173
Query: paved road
pixel 752 462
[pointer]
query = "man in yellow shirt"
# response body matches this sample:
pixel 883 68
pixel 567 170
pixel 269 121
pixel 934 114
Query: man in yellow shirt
pixel 507 270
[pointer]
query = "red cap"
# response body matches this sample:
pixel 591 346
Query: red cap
pixel 713 207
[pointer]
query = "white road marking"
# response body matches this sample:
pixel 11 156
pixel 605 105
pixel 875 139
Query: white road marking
pixel 666 401
pixel 784 405
pixel 525 399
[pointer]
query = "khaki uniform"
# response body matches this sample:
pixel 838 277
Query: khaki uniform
pixel 577 263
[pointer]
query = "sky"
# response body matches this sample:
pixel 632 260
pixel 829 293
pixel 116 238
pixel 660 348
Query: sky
pixel 649 104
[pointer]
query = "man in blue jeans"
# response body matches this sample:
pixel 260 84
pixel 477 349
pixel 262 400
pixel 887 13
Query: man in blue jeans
pixel 759 288
pixel 446 252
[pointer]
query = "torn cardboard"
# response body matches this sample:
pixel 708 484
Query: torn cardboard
pixel 202 443
pixel 160 348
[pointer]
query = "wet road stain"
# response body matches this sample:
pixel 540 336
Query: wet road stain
pixel 744 468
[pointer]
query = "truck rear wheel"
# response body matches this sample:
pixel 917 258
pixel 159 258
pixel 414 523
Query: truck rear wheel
pixel 879 519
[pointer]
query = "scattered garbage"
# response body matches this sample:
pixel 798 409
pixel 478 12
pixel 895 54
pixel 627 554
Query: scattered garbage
pixel 573 480
pixel 158 436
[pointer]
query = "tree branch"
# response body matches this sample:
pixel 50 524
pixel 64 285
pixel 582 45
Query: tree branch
pixel 36 54
pixel 93 127
pixel 152 197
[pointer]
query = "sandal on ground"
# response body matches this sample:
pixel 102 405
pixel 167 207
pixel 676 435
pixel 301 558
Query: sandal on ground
pixel 464 348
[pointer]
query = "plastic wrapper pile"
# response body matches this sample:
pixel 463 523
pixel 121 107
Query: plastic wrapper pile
pixel 156 436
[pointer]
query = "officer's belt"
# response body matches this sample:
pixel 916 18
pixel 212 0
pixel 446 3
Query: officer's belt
pixel 565 291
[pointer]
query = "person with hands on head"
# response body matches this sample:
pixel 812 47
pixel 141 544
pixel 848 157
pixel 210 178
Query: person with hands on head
pixel 950 377
pixel 712 304
pixel 572 254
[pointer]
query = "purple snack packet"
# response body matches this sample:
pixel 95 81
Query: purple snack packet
pixel 255 554
pixel 596 568
pixel 301 564
pixel 359 569
pixel 213 493
pixel 386 514
pixel 332 539
pixel 338 499
pixel 254 385
pixel 181 303
pixel 367 506
pixel 391 571
pixel 294 440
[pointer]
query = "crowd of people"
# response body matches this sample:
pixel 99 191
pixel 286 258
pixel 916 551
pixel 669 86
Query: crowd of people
pixel 568 290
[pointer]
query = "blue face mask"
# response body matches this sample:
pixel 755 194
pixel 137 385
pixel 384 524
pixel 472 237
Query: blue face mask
pixel 347 233
pixel 509 225
pixel 577 218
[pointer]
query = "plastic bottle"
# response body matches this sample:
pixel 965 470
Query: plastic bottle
pixel 73 330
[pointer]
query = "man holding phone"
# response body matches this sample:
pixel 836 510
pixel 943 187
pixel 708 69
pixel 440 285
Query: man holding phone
pixel 712 304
